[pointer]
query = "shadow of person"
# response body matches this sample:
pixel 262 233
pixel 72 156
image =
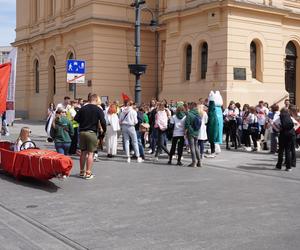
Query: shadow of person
pixel 249 167
pixel 44 185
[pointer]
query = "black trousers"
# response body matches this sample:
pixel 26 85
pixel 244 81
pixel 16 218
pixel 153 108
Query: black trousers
pixel 287 145
pixel 231 132
pixel 254 136
pixel 180 141
pixel 74 143
pixel 161 143
pixel 246 136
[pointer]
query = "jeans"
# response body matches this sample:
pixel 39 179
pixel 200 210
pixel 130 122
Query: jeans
pixel 153 136
pixel 130 133
pixel 140 144
pixel 201 146
pixel 193 141
pixel 62 147
pixel 180 140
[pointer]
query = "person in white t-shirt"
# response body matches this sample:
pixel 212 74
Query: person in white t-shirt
pixel 262 114
pixel 202 137
pixel 178 121
pixel 65 105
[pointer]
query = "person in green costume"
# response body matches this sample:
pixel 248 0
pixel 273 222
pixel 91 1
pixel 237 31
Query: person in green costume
pixel 212 127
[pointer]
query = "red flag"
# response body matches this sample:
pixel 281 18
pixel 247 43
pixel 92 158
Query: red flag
pixel 4 78
pixel 125 97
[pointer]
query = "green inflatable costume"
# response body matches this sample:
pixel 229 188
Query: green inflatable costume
pixel 213 124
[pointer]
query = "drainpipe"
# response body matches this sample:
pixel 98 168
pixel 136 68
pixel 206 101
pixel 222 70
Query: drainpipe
pixel 157 52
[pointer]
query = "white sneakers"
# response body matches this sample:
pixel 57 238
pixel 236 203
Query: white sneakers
pixel 139 160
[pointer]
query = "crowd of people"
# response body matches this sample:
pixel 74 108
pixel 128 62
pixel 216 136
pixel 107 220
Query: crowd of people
pixel 87 126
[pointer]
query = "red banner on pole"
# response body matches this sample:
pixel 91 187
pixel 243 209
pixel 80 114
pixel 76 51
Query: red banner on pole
pixel 4 78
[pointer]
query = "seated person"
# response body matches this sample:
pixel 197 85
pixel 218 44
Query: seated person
pixel 23 137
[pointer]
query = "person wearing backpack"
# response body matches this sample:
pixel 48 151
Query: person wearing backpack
pixel 287 137
pixel 192 128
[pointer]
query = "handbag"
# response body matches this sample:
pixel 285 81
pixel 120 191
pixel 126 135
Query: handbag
pixel 253 128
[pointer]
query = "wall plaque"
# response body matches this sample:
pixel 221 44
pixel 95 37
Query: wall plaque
pixel 239 73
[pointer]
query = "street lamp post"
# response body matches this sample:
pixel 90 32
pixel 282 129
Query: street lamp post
pixel 139 69
pixel 137 45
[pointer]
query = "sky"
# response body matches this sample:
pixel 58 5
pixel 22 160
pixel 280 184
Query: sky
pixel 7 22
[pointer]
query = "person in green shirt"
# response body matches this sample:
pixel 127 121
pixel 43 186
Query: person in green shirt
pixel 63 131
pixel 192 128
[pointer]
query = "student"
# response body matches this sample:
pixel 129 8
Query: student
pixel 113 126
pixel 287 137
pixel 128 120
pixel 161 124
pixel 202 137
pixel 63 132
pixel 178 120
pixel 253 126
pixel 192 127
pixel 23 137
pixel 89 117
pixel 230 115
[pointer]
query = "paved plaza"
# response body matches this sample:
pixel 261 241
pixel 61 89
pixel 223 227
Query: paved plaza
pixel 234 202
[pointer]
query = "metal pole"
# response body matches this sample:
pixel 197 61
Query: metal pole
pixel 75 90
pixel 138 88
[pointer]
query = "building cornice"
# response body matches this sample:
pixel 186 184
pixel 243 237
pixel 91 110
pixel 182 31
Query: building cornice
pixel 78 25
pixel 242 5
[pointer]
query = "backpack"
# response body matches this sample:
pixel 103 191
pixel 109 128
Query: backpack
pixel 196 125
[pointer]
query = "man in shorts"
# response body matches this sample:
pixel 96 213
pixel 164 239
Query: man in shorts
pixel 89 117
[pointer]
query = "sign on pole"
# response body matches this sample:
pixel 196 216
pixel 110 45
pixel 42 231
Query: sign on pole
pixel 75 71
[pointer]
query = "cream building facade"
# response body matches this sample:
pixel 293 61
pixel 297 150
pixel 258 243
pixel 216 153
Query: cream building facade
pixel 246 49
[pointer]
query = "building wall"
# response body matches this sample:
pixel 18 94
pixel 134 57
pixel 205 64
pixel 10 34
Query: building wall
pixel 91 33
pixel 207 25
pixel 102 33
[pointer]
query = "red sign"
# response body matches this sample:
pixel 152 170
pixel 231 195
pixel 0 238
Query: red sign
pixel 4 78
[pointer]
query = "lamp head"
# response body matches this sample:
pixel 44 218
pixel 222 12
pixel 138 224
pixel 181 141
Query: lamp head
pixel 153 25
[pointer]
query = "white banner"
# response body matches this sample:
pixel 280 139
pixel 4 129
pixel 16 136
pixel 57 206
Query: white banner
pixel 10 104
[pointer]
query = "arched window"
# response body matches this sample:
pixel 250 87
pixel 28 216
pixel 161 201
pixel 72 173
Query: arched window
pixel 52 77
pixel 291 71
pixel 253 59
pixel 188 62
pixel 37 76
pixel 204 57
pixel 72 86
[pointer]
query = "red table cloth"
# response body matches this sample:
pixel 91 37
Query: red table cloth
pixel 36 163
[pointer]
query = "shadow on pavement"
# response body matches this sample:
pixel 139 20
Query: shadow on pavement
pixel 43 185
pixel 255 167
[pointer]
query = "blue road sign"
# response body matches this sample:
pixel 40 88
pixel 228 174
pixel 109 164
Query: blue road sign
pixel 75 67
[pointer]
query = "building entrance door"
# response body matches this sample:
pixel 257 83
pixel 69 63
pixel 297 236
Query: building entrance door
pixel 290 71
